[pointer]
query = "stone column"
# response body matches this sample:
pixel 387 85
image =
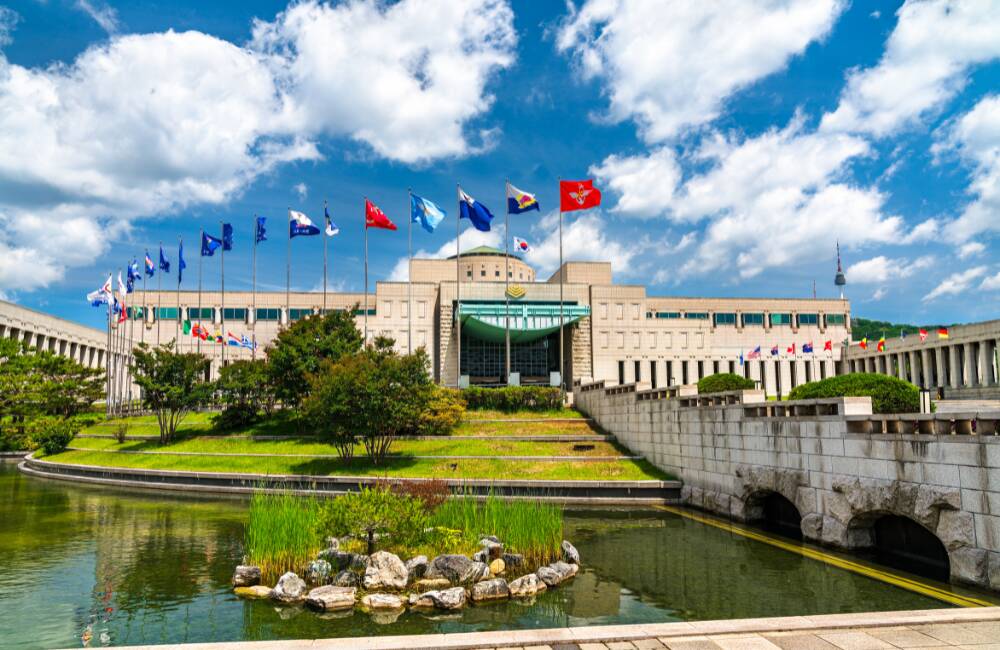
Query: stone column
pixel 785 368
pixel 954 380
pixel 927 372
pixel 986 363
pixel 768 381
pixel 968 377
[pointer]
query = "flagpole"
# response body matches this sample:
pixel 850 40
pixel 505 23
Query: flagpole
pixel 288 273
pixel 107 364
pixel 222 301
pixel 253 285
pixel 177 323
pixel 506 281
pixel 409 280
pixel 365 340
pixel 159 295
pixel 201 256
pixel 325 237
pixel 142 310
pixel 562 273
pixel 458 283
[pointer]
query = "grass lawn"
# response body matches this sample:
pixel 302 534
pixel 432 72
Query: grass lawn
pixel 396 467
pixel 489 414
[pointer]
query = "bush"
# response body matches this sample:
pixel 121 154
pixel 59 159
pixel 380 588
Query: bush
pixel 280 534
pixel 245 391
pixel 889 395
pixel 51 434
pixel 723 382
pixel 514 398
pixel 431 492
pixel 373 514
pixel 444 412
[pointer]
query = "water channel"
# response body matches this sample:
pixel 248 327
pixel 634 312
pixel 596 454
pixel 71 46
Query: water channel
pixel 84 565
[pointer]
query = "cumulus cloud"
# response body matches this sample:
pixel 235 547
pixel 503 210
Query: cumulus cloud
pixel 644 183
pixel 976 138
pixel 301 191
pixel 991 283
pixel 103 14
pixel 672 65
pixel 8 21
pixel 925 63
pixel 585 238
pixel 880 269
pixel 971 249
pixel 956 283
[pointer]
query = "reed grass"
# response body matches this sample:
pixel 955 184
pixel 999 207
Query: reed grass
pixel 281 533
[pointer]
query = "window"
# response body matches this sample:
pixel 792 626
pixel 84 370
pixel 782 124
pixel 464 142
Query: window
pixel 134 313
pixel 604 309
pixel 166 313
pixel 405 308
pixel 421 309
pixel 835 319
pixel 635 310
pixel 604 340
pixel 781 319
pixel 621 372
pixel 725 319
pixel 497 274
pixel 808 319
pixel 652 340
pixel 203 313
pixel 670 373
pixel 620 310
pixel 668 314
pixel 482 274
pixel 234 313
pixel 621 339
pixel 268 314
pixel 684 372
pixel 652 374
pixel 638 371
pixel 753 319
pixel 696 315
pixel 361 312
pixel 296 313
pixel 468 275
pixel 386 308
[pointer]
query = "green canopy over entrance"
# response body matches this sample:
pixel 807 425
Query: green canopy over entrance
pixel 528 321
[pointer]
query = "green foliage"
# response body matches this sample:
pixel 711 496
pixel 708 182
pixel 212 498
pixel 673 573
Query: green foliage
pixel 722 382
pixel 281 534
pixel 172 383
pixel 304 346
pixel 889 395
pixel 444 412
pixel 52 434
pixel 862 327
pixel 244 388
pixel 513 398
pixel 374 514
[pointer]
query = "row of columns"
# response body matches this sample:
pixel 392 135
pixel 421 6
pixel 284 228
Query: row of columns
pixel 776 376
pixel 959 365
pixel 90 356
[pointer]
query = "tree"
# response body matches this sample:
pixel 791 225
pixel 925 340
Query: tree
pixel 245 390
pixel 301 349
pixel 374 513
pixel 172 383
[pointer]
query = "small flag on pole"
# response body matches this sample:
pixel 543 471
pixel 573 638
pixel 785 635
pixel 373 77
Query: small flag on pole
pixel 518 201
pixel 863 343
pixel 578 195
pixel 942 332
pixel 299 225
pixel 150 267
pixel 807 348
pixel 260 233
pixel 774 351
pixel 375 218
pixel 227 236
pixel 425 212
pixel 881 345
pixel 164 262
pixel 331 228
pixel 828 346
pixel 791 349
pixel 102 296
pixel 474 211
pixel 521 246
pixel 209 244
pixel 181 264
pixel 923 335
pixel 755 353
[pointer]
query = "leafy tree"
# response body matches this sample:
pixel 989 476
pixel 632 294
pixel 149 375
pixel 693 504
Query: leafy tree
pixel 172 383
pixel 374 513
pixel 723 381
pixel 244 388
pixel 301 349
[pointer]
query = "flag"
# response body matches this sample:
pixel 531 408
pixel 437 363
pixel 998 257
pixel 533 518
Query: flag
pixel 232 340
pixel 741 358
pixel 195 331
pixel 375 218
pixel 828 346
pixel 133 275
pixel 260 233
pixel 521 246
pixel 807 348
pixel 942 332
pixel 902 334
pixel 122 288
pixel 187 326
pixel 181 264
pixel 923 335
pixel 102 296
pixel 247 343
pixel 518 201
pixel 881 344
pixel 791 349
pixel 209 244
pixel 227 236
pixel 578 195
pixel 331 228
pixel 426 213
pixel 774 351
pixel 119 308
pixel 150 267
pixel 474 211
pixel 863 343
pixel 218 337
pixel 164 262
pixel 755 353
pixel 300 225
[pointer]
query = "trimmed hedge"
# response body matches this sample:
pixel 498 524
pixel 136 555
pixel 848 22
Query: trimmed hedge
pixel 889 395
pixel 723 382
pixel 513 398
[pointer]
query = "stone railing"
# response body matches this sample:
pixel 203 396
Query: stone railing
pixel 941 424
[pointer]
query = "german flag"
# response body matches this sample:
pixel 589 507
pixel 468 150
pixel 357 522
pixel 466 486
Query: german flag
pixel 942 332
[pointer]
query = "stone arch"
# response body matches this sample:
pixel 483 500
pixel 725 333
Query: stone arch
pixel 902 542
pixel 754 484
pixel 774 511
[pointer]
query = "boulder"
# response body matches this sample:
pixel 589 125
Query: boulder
pixel 246 576
pixel 565 570
pixel 570 554
pixel 495 589
pixel 290 589
pixel 421 601
pixel 330 598
pixel 385 571
pixel 338 559
pixel 431 584
pixel 513 559
pixel 318 572
pixel 526 586
pixel 448 599
pixel 492 546
pixel 346 578
pixel 416 567
pixel 481 556
pixel 549 576
pixel 332 543
pixel 457 569
pixel 373 602
pixel 497 566
pixel 255 591
pixel 358 562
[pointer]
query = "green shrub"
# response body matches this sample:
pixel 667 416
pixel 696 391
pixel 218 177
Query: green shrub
pixel 374 514
pixel 444 412
pixel 51 434
pixel 889 395
pixel 245 392
pixel 514 398
pixel 722 382
pixel 280 534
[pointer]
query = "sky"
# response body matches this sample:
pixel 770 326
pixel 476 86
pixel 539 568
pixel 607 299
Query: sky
pixel 735 142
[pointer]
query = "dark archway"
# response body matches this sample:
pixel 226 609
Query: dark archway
pixel 902 543
pixel 775 513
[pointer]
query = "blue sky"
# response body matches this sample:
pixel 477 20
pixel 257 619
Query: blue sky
pixel 734 141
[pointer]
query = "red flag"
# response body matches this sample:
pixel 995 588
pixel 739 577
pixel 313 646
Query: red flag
pixel 375 218
pixel 578 195
pixel 923 335
pixel 828 346
pixel 791 349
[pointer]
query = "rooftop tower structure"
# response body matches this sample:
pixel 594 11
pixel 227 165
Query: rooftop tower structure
pixel 839 279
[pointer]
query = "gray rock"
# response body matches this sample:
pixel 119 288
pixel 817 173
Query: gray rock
pixel 318 572
pixel 481 556
pixel 564 569
pixel 970 566
pixel 450 599
pixel 330 598
pixel 526 586
pixel 549 576
pixel 256 591
pixel 513 559
pixel 493 548
pixel 246 576
pixel 346 578
pixel 479 571
pixel 332 543
pixel 385 571
pixel 431 584
pixel 381 601
pixel 495 589
pixel 421 601
pixel 358 562
pixel 416 567
pixel 570 554
pixel 956 529
pixel 290 589
pixel 338 559
pixel 457 569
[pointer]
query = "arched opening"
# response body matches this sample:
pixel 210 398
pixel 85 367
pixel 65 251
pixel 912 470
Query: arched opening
pixel 904 544
pixel 775 513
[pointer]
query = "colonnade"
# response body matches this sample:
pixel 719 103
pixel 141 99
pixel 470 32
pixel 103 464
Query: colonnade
pixel 87 354
pixel 959 365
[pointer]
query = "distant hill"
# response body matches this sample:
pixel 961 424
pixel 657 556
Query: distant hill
pixel 862 327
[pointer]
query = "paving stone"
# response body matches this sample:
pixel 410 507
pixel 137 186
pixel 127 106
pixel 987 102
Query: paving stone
pixel 537 647
pixel 799 641
pixel 956 634
pixel 754 642
pixel 620 645
pixel 690 643
pixel 854 641
pixel 593 646
pixel 648 644
pixel 905 638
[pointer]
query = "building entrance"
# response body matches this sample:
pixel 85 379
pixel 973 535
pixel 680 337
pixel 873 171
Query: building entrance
pixel 483 361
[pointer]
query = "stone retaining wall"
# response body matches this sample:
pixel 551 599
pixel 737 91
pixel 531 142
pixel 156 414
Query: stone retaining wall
pixel 734 449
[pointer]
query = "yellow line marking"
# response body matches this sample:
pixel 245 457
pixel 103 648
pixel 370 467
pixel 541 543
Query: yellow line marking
pixel 871 572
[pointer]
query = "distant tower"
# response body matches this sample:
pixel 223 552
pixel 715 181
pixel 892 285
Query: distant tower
pixel 839 279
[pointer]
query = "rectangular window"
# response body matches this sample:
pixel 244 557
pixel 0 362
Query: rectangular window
pixel 296 313
pixel 405 307
pixel 670 373
pixel 604 310
pixel 638 371
pixel 604 340
pixel 166 313
pixel 781 319
pixel 134 313
pixel 668 314
pixel 636 341
pixel 753 319
pixel 421 309
pixel 715 367
pixel 621 371
pixel 268 314
pixel 621 339
pixel 468 274
pixel 724 319
pixel 635 311
pixel 701 370
pixel 652 374
pixel 696 315
pixel 652 340
pixel 203 313
pixel 234 314
pixel 808 319
pixel 684 372
pixel 684 341
pixel 361 312
pixel 386 308
pixel 835 319
pixel 620 310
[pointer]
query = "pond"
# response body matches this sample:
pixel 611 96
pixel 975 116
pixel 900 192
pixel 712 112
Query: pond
pixel 85 565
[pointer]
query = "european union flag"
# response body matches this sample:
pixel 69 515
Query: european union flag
pixel 427 214
pixel 474 211
pixel 209 244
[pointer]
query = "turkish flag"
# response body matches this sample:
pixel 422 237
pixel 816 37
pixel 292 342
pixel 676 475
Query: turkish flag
pixel 375 218
pixel 578 195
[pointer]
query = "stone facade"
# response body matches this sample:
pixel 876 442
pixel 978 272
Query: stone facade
pixel 732 455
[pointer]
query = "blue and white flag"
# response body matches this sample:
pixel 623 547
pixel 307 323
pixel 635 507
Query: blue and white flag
pixel 133 275
pixel 122 289
pixel 209 244
pixel 331 228
pixel 181 264
pixel 474 211
pixel 164 262
pixel 247 343
pixel 150 267
pixel 227 236
pixel 102 296
pixel 261 232
pixel 519 201
pixel 299 225
pixel 426 213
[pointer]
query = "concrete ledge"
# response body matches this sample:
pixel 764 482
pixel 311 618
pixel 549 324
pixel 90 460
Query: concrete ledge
pixel 612 633
pixel 576 492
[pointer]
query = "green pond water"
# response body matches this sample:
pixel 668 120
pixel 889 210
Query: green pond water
pixel 87 565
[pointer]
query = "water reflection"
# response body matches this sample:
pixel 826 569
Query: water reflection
pixel 82 564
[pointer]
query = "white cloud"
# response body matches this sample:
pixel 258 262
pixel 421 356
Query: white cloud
pixel 956 283
pixel 103 14
pixel 926 62
pixel 991 283
pixel 976 137
pixel 644 183
pixel 672 65
pixel 879 293
pixel 881 269
pixel 585 238
pixel 970 249
pixel 8 21
pixel 301 190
